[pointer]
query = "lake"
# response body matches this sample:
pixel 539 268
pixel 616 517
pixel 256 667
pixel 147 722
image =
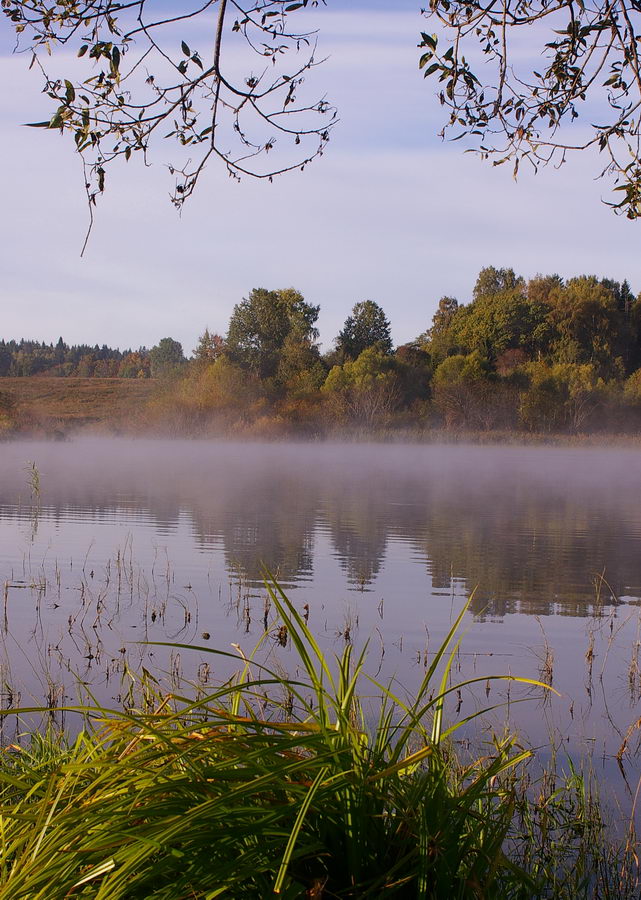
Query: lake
pixel 106 545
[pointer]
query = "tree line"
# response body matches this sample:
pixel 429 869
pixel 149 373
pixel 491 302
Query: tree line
pixel 541 355
pixel 23 358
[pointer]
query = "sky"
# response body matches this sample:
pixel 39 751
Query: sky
pixel 389 213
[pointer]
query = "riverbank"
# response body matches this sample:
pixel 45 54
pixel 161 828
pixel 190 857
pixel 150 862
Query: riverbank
pixel 60 408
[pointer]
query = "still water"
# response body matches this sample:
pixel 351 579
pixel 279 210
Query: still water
pixel 108 544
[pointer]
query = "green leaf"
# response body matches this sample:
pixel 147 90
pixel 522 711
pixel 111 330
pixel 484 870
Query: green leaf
pixel 185 48
pixel 298 824
pixel 83 50
pixel 56 120
pixel 70 93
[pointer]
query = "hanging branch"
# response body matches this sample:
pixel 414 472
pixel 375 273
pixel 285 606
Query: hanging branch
pixel 138 79
pixel 534 80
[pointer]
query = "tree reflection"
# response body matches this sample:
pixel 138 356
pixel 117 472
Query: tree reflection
pixel 538 539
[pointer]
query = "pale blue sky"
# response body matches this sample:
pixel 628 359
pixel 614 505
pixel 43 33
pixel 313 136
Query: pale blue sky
pixel 390 213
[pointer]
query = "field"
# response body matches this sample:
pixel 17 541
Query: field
pixel 64 405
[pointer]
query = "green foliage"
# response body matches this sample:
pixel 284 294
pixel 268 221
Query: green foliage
pixel 503 316
pixel 563 396
pixel 559 349
pixel 460 369
pixel 365 390
pixel 588 324
pixel 261 324
pixel 6 358
pixel 367 326
pixel 300 369
pixel 166 357
pixel 491 281
pixel 467 393
pixel 439 338
pixel 495 323
pixel 296 786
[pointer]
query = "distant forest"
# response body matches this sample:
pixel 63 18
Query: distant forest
pixel 544 355
pixel 22 358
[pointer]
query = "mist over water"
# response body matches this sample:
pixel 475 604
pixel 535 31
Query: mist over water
pixel 530 528
pixel 129 541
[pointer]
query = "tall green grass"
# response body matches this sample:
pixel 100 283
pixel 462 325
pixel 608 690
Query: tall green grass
pixel 274 785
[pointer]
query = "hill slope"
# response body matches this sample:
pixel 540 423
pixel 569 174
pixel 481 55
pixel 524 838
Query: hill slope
pixel 63 405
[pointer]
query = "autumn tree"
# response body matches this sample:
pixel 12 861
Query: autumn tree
pixel 541 287
pixel 209 348
pixel 135 365
pixel 222 390
pixel 461 388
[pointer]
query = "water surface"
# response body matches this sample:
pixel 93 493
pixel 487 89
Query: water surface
pixel 125 542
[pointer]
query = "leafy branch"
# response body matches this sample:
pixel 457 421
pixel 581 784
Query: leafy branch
pixel 516 75
pixel 234 97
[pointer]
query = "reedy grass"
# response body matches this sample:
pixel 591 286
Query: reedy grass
pixel 242 793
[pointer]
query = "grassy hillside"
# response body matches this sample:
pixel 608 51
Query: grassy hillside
pixel 64 405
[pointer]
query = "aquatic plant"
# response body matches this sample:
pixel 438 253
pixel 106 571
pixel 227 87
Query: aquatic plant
pixel 325 783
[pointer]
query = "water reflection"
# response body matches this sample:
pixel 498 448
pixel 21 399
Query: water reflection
pixel 138 542
pixel 537 531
